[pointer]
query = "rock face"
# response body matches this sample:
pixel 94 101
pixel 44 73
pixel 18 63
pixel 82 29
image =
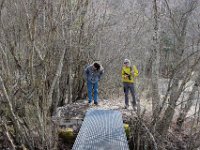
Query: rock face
pixel 72 115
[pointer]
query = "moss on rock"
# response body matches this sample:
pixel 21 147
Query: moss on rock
pixel 127 130
pixel 66 134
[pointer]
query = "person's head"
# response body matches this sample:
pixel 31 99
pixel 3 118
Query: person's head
pixel 96 66
pixel 127 62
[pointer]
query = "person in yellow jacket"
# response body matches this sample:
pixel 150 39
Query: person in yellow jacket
pixel 128 75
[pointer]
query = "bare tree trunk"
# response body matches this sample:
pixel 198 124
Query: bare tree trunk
pixel 5 128
pixel 164 123
pixel 155 62
pixel 176 90
pixel 14 117
pixel 189 103
pixel 70 86
pixel 55 80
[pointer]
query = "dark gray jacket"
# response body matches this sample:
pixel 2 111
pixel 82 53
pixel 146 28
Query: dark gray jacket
pixel 93 75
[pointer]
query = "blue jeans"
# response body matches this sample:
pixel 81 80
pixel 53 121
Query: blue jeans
pixel 127 87
pixel 92 86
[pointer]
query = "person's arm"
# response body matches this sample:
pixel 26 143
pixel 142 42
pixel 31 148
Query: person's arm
pixel 86 72
pixel 124 74
pixel 136 73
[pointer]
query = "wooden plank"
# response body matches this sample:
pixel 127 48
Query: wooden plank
pixel 101 130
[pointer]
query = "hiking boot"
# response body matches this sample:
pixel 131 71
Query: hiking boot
pixel 126 107
pixel 90 104
pixel 96 103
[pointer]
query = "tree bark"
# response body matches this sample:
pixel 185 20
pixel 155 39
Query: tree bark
pixel 183 113
pixel 155 62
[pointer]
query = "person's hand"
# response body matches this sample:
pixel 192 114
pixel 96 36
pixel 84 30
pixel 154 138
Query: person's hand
pixel 125 76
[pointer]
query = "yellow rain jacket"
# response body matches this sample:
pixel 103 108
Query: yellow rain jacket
pixel 126 71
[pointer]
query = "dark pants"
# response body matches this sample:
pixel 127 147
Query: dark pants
pixel 127 87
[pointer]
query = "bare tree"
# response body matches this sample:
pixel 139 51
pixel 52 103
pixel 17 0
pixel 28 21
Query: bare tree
pixel 35 48
pixel 155 61
pixel 164 123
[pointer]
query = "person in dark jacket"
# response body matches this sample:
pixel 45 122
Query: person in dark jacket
pixel 93 74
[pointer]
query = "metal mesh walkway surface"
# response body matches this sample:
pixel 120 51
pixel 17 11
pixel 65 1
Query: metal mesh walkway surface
pixel 101 130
